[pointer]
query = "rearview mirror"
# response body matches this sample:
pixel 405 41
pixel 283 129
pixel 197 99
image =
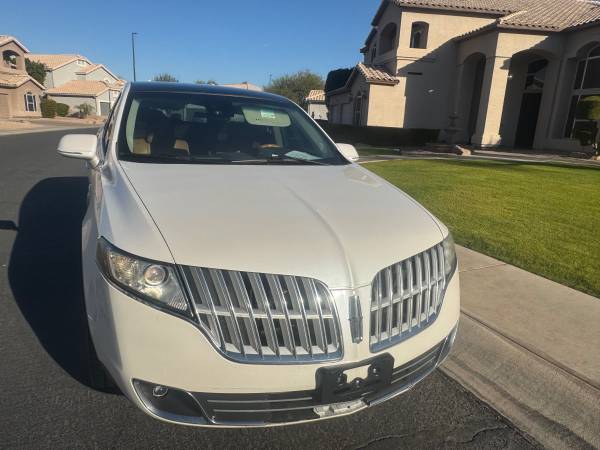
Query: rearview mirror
pixel 349 152
pixel 79 146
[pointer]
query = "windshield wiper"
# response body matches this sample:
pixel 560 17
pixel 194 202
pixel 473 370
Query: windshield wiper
pixel 169 157
pixel 286 158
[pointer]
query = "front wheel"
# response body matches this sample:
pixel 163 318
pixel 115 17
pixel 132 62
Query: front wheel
pixel 98 377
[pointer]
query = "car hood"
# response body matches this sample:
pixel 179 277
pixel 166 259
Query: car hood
pixel 337 224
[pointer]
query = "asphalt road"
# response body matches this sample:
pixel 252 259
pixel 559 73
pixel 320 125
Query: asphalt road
pixel 45 400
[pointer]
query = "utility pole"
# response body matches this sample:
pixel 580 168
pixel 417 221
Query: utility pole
pixel 133 53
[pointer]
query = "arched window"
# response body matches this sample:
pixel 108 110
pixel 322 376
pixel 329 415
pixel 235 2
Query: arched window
pixel 10 59
pixel 587 84
pixel 387 40
pixel 419 34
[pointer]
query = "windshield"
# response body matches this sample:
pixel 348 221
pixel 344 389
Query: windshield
pixel 189 128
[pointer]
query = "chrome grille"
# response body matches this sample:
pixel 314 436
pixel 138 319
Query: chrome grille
pixel 257 317
pixel 406 297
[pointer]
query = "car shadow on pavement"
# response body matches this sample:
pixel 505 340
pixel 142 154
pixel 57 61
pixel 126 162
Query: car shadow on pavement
pixel 45 270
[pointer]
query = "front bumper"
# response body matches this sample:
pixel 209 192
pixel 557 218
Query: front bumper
pixel 140 344
pixel 257 410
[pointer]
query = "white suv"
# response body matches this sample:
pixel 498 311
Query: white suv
pixel 241 270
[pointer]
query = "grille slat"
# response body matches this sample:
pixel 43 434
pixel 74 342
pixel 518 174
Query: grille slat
pixel 407 296
pixel 313 301
pixel 249 319
pixel 294 290
pixel 265 317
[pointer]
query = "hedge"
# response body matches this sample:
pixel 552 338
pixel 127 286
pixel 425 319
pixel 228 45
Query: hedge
pixel 62 110
pixel 379 136
pixel 48 107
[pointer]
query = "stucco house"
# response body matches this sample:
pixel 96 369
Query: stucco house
pixel 315 105
pixel 100 95
pixel 486 72
pixel 74 80
pixel 19 93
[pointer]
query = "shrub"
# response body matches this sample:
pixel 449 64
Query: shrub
pixel 62 110
pixel 48 107
pixel 379 136
pixel 85 109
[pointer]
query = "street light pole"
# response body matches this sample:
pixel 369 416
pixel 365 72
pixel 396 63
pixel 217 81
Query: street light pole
pixel 133 53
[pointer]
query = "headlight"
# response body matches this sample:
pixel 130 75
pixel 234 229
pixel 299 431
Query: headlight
pixel 450 262
pixel 155 283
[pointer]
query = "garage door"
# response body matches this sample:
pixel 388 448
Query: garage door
pixel 104 108
pixel 4 108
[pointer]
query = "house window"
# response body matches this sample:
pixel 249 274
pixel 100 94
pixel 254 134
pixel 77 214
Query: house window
pixel 387 40
pixel 373 53
pixel 357 113
pixel 419 34
pixel 536 75
pixel 587 84
pixel 30 102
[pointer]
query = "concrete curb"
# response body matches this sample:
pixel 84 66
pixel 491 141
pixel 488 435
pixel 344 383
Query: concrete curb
pixel 556 408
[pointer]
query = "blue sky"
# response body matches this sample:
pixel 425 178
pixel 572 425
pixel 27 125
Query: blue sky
pixel 226 40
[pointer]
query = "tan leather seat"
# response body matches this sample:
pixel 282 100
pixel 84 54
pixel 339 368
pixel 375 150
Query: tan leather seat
pixel 182 144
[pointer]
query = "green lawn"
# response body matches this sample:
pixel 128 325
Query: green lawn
pixel 543 218
pixel 364 150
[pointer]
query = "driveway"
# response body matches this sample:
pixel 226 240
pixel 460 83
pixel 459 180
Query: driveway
pixel 45 397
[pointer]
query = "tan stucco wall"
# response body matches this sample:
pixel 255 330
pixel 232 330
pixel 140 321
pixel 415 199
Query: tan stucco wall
pixel 317 111
pixel 11 46
pixel 426 76
pixel 16 100
pixel 100 75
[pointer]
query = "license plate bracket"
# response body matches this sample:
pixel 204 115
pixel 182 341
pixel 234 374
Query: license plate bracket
pixel 335 386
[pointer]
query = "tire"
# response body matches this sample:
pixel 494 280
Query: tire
pixel 98 377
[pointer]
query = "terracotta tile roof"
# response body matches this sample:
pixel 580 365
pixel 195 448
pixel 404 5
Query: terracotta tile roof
pixel 316 96
pixel 55 61
pixel 376 74
pixel 548 15
pixel 14 79
pixel 6 38
pixel 80 87
pixel 553 15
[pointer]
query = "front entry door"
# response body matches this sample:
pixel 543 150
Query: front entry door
pixel 528 118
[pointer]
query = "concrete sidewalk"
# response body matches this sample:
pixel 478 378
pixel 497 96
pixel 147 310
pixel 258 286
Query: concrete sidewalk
pixel 531 348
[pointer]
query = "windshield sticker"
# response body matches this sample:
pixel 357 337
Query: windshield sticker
pixel 266 117
pixel 267 114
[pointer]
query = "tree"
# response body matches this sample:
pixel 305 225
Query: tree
pixel 337 79
pixel 165 77
pixel 296 86
pixel 36 70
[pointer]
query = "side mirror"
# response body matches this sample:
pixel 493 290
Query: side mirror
pixel 349 152
pixel 79 146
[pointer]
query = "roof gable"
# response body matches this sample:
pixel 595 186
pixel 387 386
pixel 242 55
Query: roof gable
pixel 56 61
pixel 5 39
